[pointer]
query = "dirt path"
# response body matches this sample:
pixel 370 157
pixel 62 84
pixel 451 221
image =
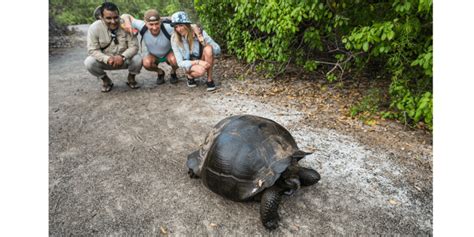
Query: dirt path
pixel 117 163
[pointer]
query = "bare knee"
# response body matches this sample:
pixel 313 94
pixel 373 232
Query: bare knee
pixel 149 62
pixel 171 59
pixel 207 51
pixel 207 54
pixel 146 64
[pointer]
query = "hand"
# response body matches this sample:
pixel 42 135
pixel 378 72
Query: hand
pixel 111 61
pixel 118 61
pixel 204 64
pixel 198 33
pixel 127 28
pixel 127 23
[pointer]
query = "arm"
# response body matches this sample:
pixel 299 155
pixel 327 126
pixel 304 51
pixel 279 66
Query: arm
pixel 198 33
pixel 130 24
pixel 168 18
pixel 182 63
pixel 132 46
pixel 127 23
pixel 216 49
pixel 93 45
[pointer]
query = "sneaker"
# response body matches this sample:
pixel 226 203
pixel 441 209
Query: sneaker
pixel 161 79
pixel 211 86
pixel 173 79
pixel 191 83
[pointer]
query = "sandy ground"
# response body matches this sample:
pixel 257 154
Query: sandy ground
pixel 117 163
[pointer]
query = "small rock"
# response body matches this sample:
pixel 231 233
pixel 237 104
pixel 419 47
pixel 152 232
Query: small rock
pixel 393 202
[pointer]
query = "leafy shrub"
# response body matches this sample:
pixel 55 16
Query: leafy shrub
pixel 392 39
pixel 369 104
pixel 80 12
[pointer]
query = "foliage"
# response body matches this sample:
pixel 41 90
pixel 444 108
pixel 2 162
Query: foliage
pixel 391 39
pixel 81 12
pixel 368 106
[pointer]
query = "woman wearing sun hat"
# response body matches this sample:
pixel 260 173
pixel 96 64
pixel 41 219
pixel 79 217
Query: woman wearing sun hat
pixel 194 54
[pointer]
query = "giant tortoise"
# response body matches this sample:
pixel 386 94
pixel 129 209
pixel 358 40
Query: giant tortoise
pixel 247 157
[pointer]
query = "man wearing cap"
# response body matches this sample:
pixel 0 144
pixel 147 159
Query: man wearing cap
pixel 157 42
pixel 111 48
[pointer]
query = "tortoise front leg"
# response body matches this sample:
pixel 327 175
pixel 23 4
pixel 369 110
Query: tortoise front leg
pixel 308 176
pixel 269 207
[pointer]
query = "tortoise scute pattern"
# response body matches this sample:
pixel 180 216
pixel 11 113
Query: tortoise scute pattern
pixel 247 157
pixel 240 151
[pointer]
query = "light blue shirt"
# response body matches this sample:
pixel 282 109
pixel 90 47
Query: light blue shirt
pixel 156 45
pixel 183 55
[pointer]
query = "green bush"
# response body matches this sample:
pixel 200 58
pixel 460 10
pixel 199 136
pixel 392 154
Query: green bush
pixel 81 12
pixel 391 39
pixel 369 105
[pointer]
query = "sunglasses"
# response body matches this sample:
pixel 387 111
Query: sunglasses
pixel 114 37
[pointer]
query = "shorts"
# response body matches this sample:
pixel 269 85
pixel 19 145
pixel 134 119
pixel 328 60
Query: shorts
pixel 161 60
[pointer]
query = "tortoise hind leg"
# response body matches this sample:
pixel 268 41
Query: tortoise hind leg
pixel 269 203
pixel 192 174
pixel 194 160
pixel 308 176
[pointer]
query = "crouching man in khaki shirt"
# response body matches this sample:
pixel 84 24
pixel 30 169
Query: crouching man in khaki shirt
pixel 111 48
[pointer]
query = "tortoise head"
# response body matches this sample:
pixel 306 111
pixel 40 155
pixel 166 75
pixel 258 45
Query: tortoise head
pixel 291 184
pixel 289 180
pixel 299 154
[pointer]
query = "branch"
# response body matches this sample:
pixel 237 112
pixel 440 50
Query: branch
pixel 339 64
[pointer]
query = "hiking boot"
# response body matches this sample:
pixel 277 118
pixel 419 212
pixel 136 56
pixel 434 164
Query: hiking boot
pixel 106 84
pixel 211 86
pixel 161 79
pixel 131 82
pixel 192 83
pixel 173 79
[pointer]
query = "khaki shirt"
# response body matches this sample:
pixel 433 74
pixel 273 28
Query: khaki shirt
pixel 98 36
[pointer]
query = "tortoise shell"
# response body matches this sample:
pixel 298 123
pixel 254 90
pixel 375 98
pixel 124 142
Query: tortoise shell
pixel 244 155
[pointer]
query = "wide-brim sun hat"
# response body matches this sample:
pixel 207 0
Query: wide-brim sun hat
pixel 180 18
